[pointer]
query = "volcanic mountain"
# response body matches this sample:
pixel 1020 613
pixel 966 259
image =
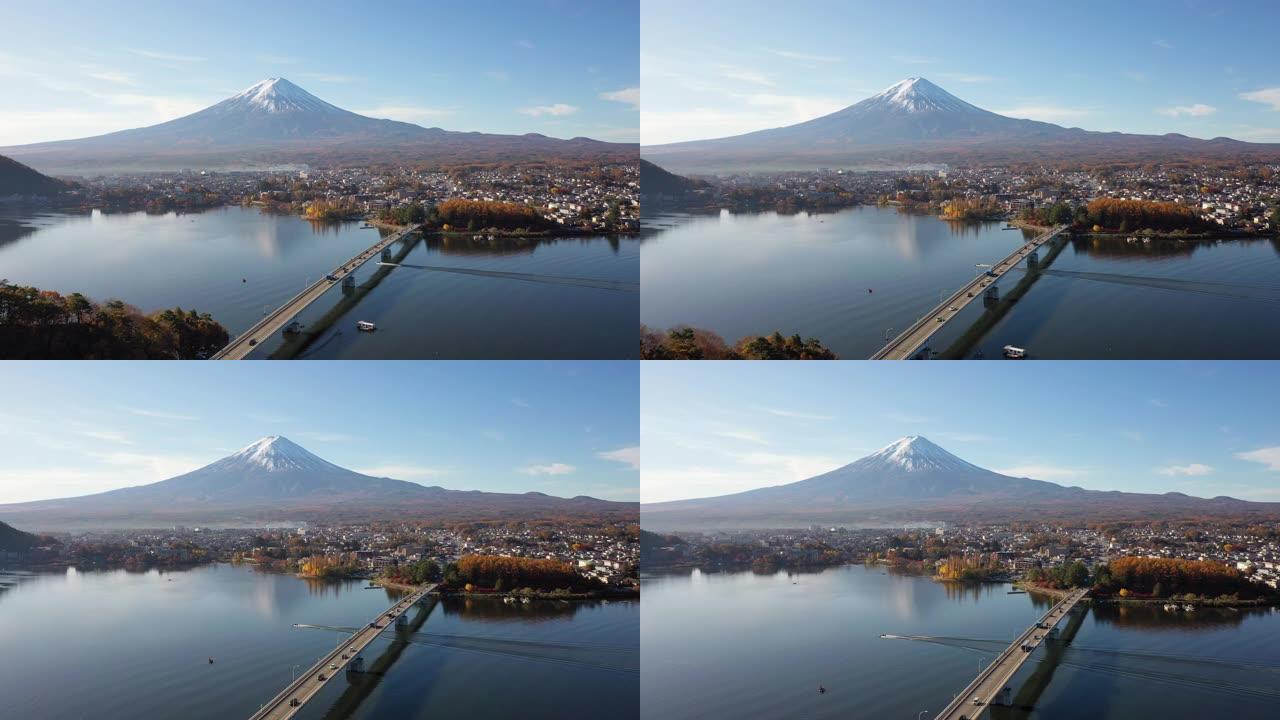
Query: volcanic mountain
pixel 275 122
pixel 913 480
pixel 915 121
pixel 274 481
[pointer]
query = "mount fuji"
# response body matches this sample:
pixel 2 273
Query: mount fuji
pixel 275 122
pixel 915 121
pixel 914 480
pixel 275 481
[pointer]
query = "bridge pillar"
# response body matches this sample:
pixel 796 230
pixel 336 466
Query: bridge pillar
pixel 991 296
pixel 355 666
pixel 349 281
pixel 386 254
pixel 402 620
pixel 1005 697
pixel 1033 260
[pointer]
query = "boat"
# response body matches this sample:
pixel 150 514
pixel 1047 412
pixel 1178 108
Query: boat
pixel 1014 353
pixel 365 325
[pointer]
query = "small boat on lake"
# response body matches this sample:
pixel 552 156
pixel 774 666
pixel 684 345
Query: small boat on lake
pixel 365 326
pixel 1014 353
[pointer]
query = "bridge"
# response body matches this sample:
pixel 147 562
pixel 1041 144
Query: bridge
pixel 913 343
pixel 274 322
pixel 292 699
pixel 991 683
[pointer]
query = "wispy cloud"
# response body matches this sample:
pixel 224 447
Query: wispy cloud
pixel 804 57
pixel 162 415
pixel 1158 402
pixel 526 44
pixel 550 469
pixel 402 472
pixel 558 109
pixel 318 436
pixel 1196 110
pixel 274 59
pixel 743 435
pixel 117 77
pixel 406 113
pixel 1266 96
pixel 498 75
pixel 1162 43
pixel 1193 469
pixel 520 402
pixel 627 456
pixel 329 77
pixel 114 436
pixel 733 72
pixel 1269 456
pixel 630 96
pixel 1042 472
pixel 913 59
pixel 168 57
pixel 1046 113
pixel 797 415
pixel 966 77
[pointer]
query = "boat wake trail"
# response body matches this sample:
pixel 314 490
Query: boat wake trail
pixel 617 285
pixel 1260 293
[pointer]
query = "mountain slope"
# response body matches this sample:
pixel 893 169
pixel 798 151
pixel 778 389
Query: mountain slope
pixel 913 479
pixel 915 121
pixel 18 179
pixel 14 540
pixel 276 122
pixel 276 481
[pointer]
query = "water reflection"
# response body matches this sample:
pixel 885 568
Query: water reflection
pixel 1156 618
pixel 493 610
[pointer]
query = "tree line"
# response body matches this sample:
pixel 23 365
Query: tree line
pixel 502 573
pixel 687 343
pixel 1120 215
pixel 44 324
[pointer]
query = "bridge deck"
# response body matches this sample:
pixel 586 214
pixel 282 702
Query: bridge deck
pixel 307 685
pixel 909 342
pixel 274 322
pixel 993 679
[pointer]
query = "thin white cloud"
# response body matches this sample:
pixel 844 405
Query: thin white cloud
pixel 1042 472
pixel 1196 110
pixel 550 469
pixel 913 59
pixel 746 75
pixel 627 456
pixel 168 57
pixel 797 415
pixel 557 110
pixel 318 436
pixel 1162 43
pixel 743 435
pixel 520 402
pixel 1266 96
pixel 1046 113
pixel 1193 469
pixel 406 113
pixel 114 436
pixel 805 57
pixel 402 472
pixel 967 77
pixel 1269 456
pixel 161 414
pixel 498 75
pixel 275 59
pixel 630 96
pixel 526 44
pixel 329 77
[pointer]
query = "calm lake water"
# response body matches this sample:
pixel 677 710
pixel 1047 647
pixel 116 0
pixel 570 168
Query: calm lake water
pixel 454 298
pixel 1100 298
pixel 114 644
pixel 740 275
pixel 749 646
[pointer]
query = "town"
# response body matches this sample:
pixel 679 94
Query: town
pixel 1006 552
pixel 605 554
pixel 1242 200
pixel 579 199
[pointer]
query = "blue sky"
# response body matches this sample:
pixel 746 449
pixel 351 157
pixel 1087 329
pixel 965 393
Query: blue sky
pixel 560 67
pixel 1202 428
pixel 562 428
pixel 1200 67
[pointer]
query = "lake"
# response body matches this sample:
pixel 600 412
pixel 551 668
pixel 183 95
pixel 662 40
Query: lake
pixel 757 646
pixel 117 644
pixel 506 298
pixel 740 275
pixel 854 277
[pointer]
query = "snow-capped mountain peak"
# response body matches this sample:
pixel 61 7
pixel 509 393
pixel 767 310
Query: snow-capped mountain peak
pixel 278 95
pixel 275 453
pixel 915 453
pixel 917 94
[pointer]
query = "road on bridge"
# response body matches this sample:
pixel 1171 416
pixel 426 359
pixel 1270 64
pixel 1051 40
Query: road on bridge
pixel 274 322
pixel 306 686
pixel 974 699
pixel 907 344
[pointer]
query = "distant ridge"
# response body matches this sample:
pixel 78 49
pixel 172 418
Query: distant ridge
pixel 914 480
pixel 915 122
pixel 276 122
pixel 276 481
pixel 15 540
